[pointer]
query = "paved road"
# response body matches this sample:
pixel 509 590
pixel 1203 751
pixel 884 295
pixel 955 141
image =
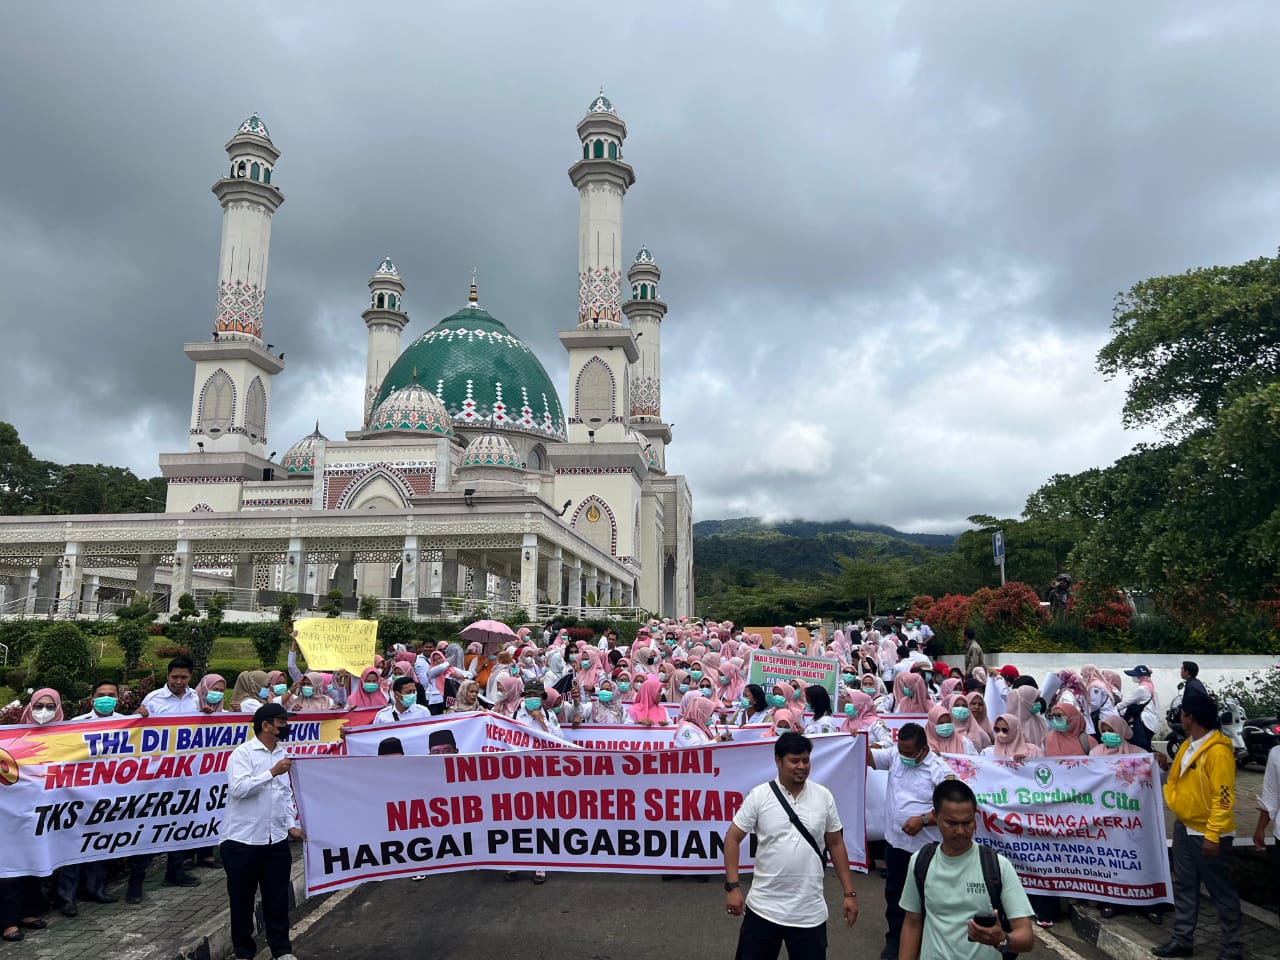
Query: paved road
pixel 574 916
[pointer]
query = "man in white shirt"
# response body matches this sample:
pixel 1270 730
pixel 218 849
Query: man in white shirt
pixel 173 699
pixel 1269 813
pixel 786 902
pixel 404 705
pixel 258 823
pixel 914 770
pixel 106 696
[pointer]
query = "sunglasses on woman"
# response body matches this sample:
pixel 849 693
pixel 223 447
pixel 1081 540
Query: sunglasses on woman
pixel 1002 729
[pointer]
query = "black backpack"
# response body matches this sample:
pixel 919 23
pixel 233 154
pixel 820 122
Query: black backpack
pixel 990 875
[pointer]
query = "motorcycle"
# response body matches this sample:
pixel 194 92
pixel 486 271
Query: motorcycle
pixel 1260 735
pixel 1234 727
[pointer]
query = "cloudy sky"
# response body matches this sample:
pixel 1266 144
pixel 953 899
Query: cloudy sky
pixel 890 234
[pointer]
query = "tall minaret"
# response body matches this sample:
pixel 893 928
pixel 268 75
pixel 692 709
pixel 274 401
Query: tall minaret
pixel 602 179
pixel 233 369
pixel 601 348
pixel 385 319
pixel 644 312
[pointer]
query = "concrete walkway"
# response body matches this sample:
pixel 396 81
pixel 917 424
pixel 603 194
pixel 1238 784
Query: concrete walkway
pixel 187 923
pixel 1130 936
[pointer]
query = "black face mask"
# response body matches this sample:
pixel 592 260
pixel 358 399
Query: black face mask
pixel 282 733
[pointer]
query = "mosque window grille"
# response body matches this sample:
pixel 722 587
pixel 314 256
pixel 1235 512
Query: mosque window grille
pixel 255 417
pixel 597 151
pixel 595 393
pixel 217 407
pixel 255 171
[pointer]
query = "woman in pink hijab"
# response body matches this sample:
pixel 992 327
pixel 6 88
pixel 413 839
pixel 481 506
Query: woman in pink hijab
pixel 509 690
pixel 45 706
pixel 309 695
pixel 949 686
pixel 1009 741
pixel 694 728
pixel 592 674
pixel 860 714
pixel 962 717
pixel 736 682
pixel 1116 726
pixel 213 684
pixel 679 678
pixel 364 697
pixel 647 710
pixel 911 694
pixel 978 717
pixel 941 733
pixel 1066 732
pixel 785 720
pixel 1021 700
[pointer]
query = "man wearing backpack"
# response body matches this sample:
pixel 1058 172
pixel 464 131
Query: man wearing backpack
pixel 963 901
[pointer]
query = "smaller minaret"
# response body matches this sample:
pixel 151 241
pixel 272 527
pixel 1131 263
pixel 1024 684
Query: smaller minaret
pixel 644 312
pixel 385 320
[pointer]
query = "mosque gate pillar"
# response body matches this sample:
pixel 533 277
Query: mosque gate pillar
pixel 146 579
pixel 529 573
pixel 409 571
pixel 30 585
pixel 434 579
pixel 480 579
pixel 345 573
pixel 89 591
pixel 293 566
pixel 574 599
pixel 242 572
pixel 46 584
pixel 555 578
pixel 180 578
pixel 591 592
pixel 451 576
pixel 71 582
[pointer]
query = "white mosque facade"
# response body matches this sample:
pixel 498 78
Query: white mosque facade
pixel 467 477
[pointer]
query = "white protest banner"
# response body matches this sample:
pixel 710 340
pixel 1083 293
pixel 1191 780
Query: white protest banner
pixel 664 811
pixel 332 643
pixel 478 732
pixel 765 667
pixel 73 792
pixel 1085 826
pixel 631 736
pixel 878 780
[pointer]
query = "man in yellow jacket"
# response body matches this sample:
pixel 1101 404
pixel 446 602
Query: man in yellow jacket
pixel 1200 791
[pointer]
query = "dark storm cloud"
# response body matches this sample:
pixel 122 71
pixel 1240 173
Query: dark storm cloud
pixel 890 234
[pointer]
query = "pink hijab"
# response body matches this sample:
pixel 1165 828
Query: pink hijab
pixel 647 705
pixel 911 694
pixel 1013 743
pixel 206 684
pixel 317 702
pixel 793 718
pixel 864 712
pixel 733 690
pixel 1066 744
pixel 1116 724
pixel 966 728
pixel 376 699
pixel 938 743
pixel 509 690
pixel 38 695
pixel 696 711
pixel 982 723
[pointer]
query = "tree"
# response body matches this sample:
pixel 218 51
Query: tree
pixel 874 578
pixel 64 662
pixel 334 607
pixel 133 632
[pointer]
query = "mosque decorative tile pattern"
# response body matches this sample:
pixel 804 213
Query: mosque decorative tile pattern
pixel 386 268
pixel 600 104
pixel 491 450
pixel 646 397
pixel 600 297
pixel 301 457
pixel 255 126
pixel 479 368
pixel 644 256
pixel 411 407
pixel 240 308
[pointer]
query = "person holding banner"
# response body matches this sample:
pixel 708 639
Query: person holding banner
pixel 694 728
pixel 786 902
pixel 258 824
pixel 404 706
pixel 914 772
pixel 371 691
pixel 250 691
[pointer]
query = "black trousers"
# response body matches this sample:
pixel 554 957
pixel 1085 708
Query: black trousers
pixel 1190 868
pixel 67 880
pixel 896 862
pixel 253 868
pixel 20 897
pixel 761 939
pixel 138 867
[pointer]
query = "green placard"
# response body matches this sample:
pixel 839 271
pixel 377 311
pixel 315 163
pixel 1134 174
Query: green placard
pixel 767 667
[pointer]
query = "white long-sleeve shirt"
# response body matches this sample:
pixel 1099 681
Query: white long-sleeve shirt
pixel 1269 799
pixel 259 806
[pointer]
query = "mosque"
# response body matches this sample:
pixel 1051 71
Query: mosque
pixel 467 477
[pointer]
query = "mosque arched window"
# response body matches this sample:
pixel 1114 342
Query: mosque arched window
pixel 217 404
pixel 598 150
pixel 240 168
pixel 391 301
pixel 255 411
pixel 596 393
pixel 255 171
pixel 266 174
pixel 233 169
pixel 537 458
pixel 586 150
pixel 381 301
pixel 613 151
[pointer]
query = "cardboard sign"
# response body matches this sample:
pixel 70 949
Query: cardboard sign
pixel 331 643
pixel 767 667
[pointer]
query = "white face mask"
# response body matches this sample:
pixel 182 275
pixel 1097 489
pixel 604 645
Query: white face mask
pixel 43 714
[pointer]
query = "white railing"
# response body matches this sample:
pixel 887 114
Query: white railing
pixel 4 655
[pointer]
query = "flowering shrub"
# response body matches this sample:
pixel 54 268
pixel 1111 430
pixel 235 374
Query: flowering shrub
pixel 921 607
pixel 981 597
pixel 951 613
pixel 1014 605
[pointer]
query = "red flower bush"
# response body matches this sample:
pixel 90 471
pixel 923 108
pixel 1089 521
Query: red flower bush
pixel 1013 605
pixel 951 613
pixel 921 607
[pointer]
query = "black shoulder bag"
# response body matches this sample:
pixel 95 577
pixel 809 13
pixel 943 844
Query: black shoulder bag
pixel 795 822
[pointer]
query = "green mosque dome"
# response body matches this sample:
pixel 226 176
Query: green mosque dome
pixel 483 373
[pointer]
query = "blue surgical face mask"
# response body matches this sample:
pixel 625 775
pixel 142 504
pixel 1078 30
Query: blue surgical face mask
pixel 514 669
pixel 706 691
pixel 777 701
pixel 407 700
pixel 695 674
pixel 532 703
pixel 684 688
pixel 1059 724
pixel 279 689
pixel 744 703
pixel 104 705
pixel 606 696
pixel 945 729
pixel 848 678
pixel 1036 708
pixel 869 691
pixel 1111 740
pixel 370 687
pixel 263 693
pixel 960 713
pixel 308 691
pixel 724 681
pixel 624 686
pixel 213 697
pixel 848 709
pixel 909 761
